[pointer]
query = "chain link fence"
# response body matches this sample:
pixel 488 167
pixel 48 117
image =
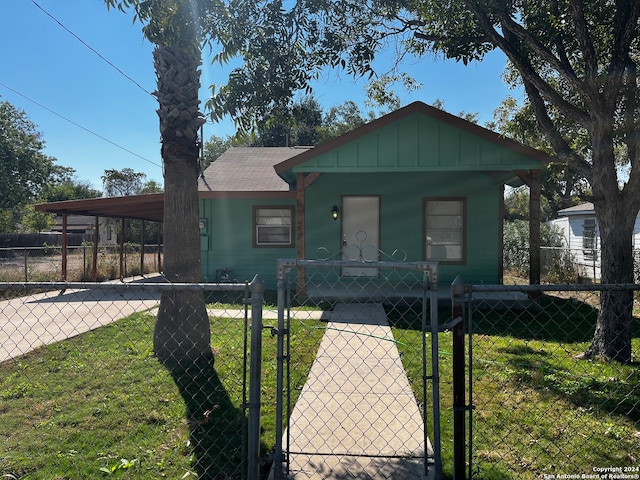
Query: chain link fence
pixel 82 394
pixel 356 398
pixel 355 378
pixel 44 264
pixel 541 410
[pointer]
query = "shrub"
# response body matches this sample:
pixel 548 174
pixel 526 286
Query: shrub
pixel 558 265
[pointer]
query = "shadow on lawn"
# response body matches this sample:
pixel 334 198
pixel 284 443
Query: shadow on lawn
pixel 614 395
pixel 216 425
pixel 539 345
pixel 550 318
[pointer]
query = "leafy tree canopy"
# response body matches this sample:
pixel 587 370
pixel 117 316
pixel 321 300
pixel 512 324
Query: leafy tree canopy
pixel 29 176
pixel 120 183
pixel 25 170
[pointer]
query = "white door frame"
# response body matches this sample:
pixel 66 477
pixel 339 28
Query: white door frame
pixel 360 228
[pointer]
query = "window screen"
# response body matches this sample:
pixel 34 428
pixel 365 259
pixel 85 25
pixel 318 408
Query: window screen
pixel 444 229
pixel 273 226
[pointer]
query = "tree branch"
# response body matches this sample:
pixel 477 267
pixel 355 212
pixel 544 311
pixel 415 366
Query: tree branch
pixel 557 141
pixel 586 45
pixel 524 66
pixel 625 24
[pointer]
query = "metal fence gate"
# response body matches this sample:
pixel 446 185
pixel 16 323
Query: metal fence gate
pixel 357 370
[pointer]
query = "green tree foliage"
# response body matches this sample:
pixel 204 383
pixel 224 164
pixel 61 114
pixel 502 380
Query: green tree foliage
pixel 562 187
pixel 33 221
pixel 69 189
pixel 214 147
pixel 24 168
pixel 558 265
pixel 29 176
pixel 121 183
pixel 516 206
pixel 577 63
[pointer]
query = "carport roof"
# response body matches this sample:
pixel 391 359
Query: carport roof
pixel 148 207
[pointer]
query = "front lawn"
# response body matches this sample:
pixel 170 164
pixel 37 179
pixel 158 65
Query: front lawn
pixel 539 409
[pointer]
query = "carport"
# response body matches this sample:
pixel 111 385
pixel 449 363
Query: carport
pixel 145 208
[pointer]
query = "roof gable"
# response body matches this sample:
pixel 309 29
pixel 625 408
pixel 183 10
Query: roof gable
pixel 416 138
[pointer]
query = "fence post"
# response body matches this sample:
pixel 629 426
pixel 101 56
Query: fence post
pixel 255 372
pixel 278 457
pixel 459 406
pixel 435 380
pixel 26 264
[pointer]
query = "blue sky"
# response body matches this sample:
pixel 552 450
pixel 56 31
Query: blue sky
pixel 50 74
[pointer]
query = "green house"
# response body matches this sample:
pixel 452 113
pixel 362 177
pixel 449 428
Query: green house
pixel 417 184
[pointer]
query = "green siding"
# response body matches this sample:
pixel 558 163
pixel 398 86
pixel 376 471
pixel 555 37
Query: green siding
pixel 418 142
pixel 401 223
pixel 230 231
pixel 230 223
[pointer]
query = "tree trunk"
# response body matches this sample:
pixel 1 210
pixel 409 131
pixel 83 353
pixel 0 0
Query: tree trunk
pixel 182 335
pixel 612 337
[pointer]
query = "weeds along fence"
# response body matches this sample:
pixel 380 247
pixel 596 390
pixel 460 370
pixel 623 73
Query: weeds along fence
pixel 38 264
pixel 83 396
pixel 561 265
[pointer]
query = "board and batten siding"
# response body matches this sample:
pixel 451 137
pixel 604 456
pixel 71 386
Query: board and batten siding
pixel 418 143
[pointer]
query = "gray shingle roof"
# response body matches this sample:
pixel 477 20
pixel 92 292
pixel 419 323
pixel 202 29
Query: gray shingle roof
pixel 242 169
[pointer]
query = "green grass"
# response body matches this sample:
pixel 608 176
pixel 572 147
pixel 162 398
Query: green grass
pixel 538 408
pixel 100 405
pixel 96 402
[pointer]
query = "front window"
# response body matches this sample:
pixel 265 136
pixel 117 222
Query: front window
pixel 273 226
pixel 444 221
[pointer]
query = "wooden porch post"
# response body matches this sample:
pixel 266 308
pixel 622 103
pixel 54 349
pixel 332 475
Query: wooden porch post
pixel 159 247
pixel 501 237
pixel 300 240
pixel 63 247
pixel 534 228
pixel 94 259
pixel 122 225
pixel 531 178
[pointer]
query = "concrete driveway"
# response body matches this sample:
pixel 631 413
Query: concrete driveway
pixel 29 322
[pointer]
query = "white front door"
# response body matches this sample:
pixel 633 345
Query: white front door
pixel 360 234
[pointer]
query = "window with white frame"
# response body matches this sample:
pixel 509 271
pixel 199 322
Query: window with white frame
pixel 589 239
pixel 273 226
pixel 444 222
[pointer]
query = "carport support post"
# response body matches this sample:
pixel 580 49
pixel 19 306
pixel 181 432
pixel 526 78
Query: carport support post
pixel 255 371
pixel 64 247
pixel 459 407
pixel 94 253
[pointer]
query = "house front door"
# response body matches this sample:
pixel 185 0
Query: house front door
pixel 360 234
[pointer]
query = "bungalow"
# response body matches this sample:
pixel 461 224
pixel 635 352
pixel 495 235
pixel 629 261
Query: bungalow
pixel 581 236
pixel 418 181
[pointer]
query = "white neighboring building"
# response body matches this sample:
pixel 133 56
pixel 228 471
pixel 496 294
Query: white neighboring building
pixel 581 233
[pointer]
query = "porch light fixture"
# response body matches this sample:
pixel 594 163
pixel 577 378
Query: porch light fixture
pixel 334 212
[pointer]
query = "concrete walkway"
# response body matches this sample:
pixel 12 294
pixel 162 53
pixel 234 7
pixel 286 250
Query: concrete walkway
pixel 356 416
pixel 29 322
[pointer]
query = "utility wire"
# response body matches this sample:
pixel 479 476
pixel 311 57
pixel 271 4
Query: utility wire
pixel 92 49
pixel 80 126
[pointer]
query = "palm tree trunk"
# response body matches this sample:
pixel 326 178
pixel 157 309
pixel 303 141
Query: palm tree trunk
pixel 182 335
